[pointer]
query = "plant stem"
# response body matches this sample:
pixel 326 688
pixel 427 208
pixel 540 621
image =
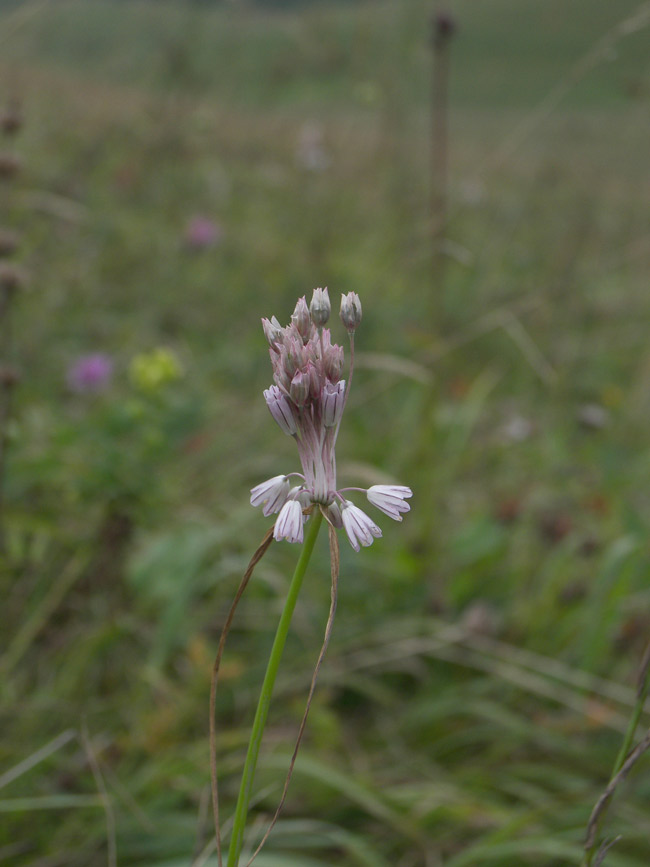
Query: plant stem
pixel 261 714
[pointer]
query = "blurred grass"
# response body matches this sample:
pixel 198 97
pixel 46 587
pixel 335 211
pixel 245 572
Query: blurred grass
pixel 483 662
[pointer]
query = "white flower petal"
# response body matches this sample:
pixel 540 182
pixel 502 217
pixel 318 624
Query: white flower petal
pixel 360 529
pixel 289 523
pixel 272 493
pixel 390 499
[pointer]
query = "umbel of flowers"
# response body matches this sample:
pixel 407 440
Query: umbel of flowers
pixel 307 401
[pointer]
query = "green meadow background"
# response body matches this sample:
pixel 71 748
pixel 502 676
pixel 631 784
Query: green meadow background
pixel 485 653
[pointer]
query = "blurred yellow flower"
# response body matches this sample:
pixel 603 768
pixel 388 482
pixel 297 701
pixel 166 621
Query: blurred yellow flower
pixel 152 370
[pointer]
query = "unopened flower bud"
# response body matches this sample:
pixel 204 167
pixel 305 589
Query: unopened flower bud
pixel 282 379
pixel 299 390
pixel 10 165
pixel 320 307
pixel 8 242
pixel 280 409
pixel 301 320
pixel 333 403
pixel 296 358
pixel 315 384
pixel 351 311
pixel 272 330
pixel 333 514
pixel 333 363
pixel 301 496
pixel 286 365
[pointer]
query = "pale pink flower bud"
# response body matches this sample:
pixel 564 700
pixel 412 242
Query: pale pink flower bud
pixel 361 529
pixel 282 378
pixel 299 390
pixel 333 403
pixel 390 499
pixel 333 363
pixel 301 495
pixel 283 368
pixel 314 381
pixel 301 320
pixel 351 311
pixel 296 357
pixel 273 494
pixel 272 330
pixel 333 514
pixel 324 341
pixel 280 409
pixel 289 523
pixel 320 307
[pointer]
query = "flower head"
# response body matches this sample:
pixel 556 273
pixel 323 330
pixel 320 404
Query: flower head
pixel 202 232
pixel 307 400
pixel 152 370
pixel 90 373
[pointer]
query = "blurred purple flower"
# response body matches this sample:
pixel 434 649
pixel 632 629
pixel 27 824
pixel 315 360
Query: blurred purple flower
pixel 90 373
pixel 202 232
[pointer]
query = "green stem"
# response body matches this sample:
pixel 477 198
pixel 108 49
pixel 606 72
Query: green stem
pixel 241 811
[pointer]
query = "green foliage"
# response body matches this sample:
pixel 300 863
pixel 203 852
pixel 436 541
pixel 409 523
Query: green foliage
pixel 482 668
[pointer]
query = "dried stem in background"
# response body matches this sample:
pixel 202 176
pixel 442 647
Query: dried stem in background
pixel 443 29
pixel 10 281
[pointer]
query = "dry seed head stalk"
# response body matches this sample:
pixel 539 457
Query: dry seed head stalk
pixel 11 119
pixel 10 165
pixel 9 376
pixel 444 27
pixel 9 242
pixel 11 278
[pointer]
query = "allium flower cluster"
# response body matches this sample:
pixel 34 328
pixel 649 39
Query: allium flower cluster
pixel 307 401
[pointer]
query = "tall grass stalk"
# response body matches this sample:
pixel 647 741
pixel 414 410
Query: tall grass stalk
pixel 625 760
